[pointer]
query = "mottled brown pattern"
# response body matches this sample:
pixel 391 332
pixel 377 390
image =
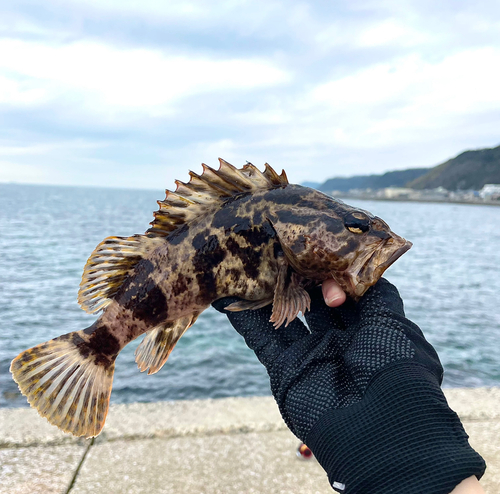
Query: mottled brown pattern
pixel 226 253
pixel 229 232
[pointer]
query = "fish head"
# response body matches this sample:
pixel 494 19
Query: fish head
pixel 338 241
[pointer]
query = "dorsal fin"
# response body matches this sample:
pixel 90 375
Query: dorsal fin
pixel 115 257
pixel 207 191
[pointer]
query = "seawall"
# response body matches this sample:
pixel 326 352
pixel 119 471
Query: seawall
pixel 233 445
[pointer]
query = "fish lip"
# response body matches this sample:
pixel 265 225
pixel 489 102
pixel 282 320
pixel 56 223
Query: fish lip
pixel 359 286
pixel 394 257
pixel 356 283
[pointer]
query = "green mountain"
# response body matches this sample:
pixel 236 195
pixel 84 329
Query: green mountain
pixel 469 170
pixel 390 179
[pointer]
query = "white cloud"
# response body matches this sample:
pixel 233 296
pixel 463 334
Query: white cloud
pixel 184 9
pixel 18 92
pixel 391 31
pixel 368 34
pixel 241 18
pixel 385 103
pixel 43 149
pixel 13 171
pixel 111 79
pixel 110 92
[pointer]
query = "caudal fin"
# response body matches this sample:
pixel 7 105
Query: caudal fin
pixel 67 385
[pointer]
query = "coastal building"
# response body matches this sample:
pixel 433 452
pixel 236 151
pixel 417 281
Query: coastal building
pixel 490 192
pixel 395 193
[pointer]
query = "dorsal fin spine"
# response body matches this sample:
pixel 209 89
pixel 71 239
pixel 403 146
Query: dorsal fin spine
pixel 204 193
pixel 176 199
pixel 272 175
pixel 206 179
pixel 240 179
pixel 217 177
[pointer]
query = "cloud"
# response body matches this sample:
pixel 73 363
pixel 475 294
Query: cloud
pixel 13 171
pixel 20 92
pixel 103 78
pixel 123 92
pixel 390 103
pixel 391 31
pixel 47 148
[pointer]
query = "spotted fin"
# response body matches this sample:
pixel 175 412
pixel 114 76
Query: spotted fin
pixel 71 391
pixel 290 297
pixel 248 305
pixel 108 266
pixel 208 190
pixel 156 347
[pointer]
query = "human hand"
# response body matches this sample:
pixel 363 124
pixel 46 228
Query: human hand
pixel 361 389
pixel 332 293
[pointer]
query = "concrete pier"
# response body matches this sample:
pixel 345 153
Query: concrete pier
pixel 233 445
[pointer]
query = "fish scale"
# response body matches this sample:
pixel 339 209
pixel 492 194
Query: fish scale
pixel 227 232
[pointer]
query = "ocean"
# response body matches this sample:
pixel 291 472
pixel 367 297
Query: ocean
pixel 449 280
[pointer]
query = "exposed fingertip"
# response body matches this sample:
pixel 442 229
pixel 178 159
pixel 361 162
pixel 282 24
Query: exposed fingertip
pixel 336 301
pixel 332 293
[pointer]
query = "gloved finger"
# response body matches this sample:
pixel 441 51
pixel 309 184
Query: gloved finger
pixel 322 318
pixel 380 303
pixel 260 335
pixel 382 307
pixel 381 300
pixel 382 296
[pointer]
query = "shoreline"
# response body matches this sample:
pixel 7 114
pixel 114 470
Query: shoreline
pixel 406 199
pixel 216 445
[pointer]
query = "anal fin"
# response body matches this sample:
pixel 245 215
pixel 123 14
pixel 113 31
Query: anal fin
pixel 156 347
pixel 290 297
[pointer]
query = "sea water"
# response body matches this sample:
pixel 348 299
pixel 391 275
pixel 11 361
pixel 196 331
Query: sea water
pixel 449 280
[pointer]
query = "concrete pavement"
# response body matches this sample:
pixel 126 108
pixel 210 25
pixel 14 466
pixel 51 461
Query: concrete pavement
pixel 233 445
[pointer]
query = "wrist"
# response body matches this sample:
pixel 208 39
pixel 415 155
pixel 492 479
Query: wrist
pixel 401 436
pixel 468 486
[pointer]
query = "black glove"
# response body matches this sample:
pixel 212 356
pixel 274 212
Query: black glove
pixel 362 390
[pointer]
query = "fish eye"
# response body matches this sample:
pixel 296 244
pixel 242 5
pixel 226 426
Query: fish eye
pixel 357 222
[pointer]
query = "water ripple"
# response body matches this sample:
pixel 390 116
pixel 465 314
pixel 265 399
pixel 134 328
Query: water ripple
pixel 449 281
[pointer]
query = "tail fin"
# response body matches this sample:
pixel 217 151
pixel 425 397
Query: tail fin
pixel 68 386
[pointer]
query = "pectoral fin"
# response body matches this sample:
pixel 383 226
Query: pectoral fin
pixel 156 347
pixel 290 298
pixel 293 237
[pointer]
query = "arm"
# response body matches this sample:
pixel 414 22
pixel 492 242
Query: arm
pixel 361 387
pixel 334 297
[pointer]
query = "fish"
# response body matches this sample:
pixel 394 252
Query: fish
pixel 227 232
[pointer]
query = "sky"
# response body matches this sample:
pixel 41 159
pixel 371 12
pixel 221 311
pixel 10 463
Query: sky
pixel 122 93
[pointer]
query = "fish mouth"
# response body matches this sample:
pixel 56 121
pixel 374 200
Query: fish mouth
pixel 393 258
pixel 371 270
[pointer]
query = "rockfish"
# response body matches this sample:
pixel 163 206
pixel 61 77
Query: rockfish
pixel 230 232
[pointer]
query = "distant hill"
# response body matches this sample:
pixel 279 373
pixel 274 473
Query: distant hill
pixel 313 185
pixel 390 179
pixel 469 170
